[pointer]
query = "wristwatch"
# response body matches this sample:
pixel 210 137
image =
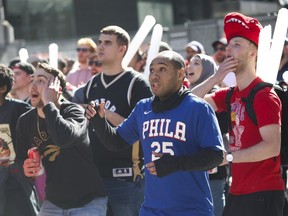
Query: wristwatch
pixel 229 157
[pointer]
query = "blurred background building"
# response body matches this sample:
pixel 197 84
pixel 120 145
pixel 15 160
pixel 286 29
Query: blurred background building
pixel 34 24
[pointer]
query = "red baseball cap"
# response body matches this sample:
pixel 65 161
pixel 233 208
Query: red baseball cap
pixel 239 25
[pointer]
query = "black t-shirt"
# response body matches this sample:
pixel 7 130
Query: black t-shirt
pixel 10 111
pixel 121 93
pixel 220 172
pixel 73 179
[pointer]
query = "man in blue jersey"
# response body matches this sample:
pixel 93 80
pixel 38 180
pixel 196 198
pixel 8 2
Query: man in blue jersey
pixel 180 138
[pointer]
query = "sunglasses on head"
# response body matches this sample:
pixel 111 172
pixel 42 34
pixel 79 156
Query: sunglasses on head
pixel 219 48
pixel 82 49
pixel 96 63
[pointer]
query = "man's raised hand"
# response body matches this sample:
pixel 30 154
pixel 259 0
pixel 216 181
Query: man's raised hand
pixel 92 109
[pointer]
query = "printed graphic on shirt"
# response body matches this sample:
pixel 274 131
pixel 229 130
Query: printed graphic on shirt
pixel 108 104
pixel 237 115
pixel 7 153
pixel 43 137
pixel 51 151
pixel 163 128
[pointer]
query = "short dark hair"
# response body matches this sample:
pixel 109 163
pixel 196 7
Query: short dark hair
pixel 123 37
pixel 6 78
pixel 176 59
pixel 62 63
pixel 55 72
pixel 25 66
pixel 164 46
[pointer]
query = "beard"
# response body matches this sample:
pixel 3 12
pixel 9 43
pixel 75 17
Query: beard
pixel 240 68
pixel 242 63
pixel 38 104
pixel 220 58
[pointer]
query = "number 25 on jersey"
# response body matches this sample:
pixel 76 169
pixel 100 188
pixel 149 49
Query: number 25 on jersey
pixel 165 148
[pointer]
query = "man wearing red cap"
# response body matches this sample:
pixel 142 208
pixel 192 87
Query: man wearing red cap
pixel 257 187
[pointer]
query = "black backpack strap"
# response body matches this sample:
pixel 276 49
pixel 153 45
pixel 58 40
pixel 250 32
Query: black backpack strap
pixel 228 105
pixel 250 99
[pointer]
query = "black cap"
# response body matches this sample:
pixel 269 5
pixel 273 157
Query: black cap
pixel 221 40
pixel 27 67
pixel 13 62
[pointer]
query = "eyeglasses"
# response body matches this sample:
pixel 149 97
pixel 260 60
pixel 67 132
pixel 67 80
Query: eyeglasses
pixel 96 63
pixel 219 48
pixel 82 49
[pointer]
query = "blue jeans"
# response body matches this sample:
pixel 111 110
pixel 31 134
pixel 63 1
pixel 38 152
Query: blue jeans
pixel 217 190
pixel 124 198
pixel 98 207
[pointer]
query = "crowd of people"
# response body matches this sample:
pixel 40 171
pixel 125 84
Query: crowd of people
pixel 112 142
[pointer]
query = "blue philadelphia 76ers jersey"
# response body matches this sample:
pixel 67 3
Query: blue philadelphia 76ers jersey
pixel 184 130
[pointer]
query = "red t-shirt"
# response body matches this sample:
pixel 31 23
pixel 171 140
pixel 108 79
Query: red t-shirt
pixel 255 176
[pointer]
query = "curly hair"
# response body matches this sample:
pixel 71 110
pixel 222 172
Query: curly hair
pixel 6 78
